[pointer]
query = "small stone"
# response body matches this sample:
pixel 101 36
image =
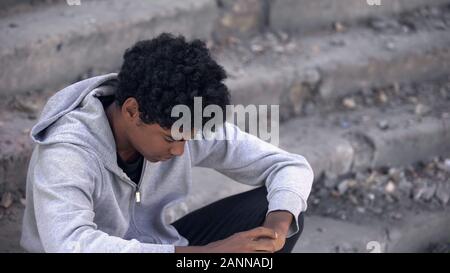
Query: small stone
pixel 390 45
pixel 345 185
pixel 397 215
pixel 257 48
pixel 421 109
pixel 440 25
pixel 353 199
pixel 442 194
pixel 395 174
pixel 311 76
pixel 291 46
pixel 383 124
pixel 371 196
pixel 271 37
pixel 23 201
pixel 406 29
pixel 429 192
pixel 7 200
pixel 342 187
pixel 283 36
pixel 418 191
pixel 445 166
pixel 361 210
pixel 413 99
pixel 382 97
pixel 390 187
pixel 349 103
pixel 338 27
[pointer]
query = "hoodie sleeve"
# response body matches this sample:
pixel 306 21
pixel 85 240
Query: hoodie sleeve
pixel 63 190
pixel 252 161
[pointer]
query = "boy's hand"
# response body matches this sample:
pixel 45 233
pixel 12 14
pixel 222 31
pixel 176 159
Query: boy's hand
pixel 280 222
pixel 269 238
pixel 260 239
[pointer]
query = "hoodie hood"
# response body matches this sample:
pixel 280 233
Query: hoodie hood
pixel 75 115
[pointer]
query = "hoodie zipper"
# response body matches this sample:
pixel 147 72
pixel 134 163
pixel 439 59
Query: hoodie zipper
pixel 138 187
pixel 138 196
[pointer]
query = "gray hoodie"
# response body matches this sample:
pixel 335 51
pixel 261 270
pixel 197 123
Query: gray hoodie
pixel 80 200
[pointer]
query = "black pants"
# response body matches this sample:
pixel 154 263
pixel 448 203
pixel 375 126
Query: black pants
pixel 228 216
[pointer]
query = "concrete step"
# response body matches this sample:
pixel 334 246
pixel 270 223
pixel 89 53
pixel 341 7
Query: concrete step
pixel 331 65
pixel 305 16
pixel 41 38
pixel 414 234
pixel 55 45
pixel 8 7
pixel 368 138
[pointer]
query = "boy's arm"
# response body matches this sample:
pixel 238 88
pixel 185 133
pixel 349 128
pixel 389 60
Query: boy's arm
pixel 252 161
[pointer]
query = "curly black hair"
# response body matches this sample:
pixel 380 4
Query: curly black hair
pixel 166 71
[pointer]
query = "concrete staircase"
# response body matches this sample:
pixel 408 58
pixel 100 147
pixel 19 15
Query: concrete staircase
pixel 319 60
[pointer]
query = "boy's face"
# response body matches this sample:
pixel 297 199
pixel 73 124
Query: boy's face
pixel 150 140
pixel 155 143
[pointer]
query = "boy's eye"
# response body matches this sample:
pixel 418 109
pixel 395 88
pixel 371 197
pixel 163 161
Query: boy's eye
pixel 169 139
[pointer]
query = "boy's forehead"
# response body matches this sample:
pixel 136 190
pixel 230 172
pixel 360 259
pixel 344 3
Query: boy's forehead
pixel 169 131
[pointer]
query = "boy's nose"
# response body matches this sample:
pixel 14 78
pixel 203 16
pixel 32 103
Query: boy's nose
pixel 178 148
